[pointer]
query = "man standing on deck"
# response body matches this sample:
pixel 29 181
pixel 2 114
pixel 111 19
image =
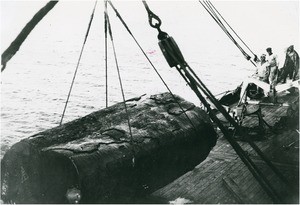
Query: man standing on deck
pixel 260 78
pixel 262 71
pixel 293 55
pixel 291 65
pixel 273 71
pixel 287 69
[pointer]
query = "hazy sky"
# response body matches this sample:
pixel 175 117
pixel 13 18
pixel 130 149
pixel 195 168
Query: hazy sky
pixel 260 23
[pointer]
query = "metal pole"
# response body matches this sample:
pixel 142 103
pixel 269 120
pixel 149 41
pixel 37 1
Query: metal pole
pixel 244 157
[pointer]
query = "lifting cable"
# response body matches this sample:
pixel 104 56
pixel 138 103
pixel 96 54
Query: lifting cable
pixel 175 58
pixel 72 83
pixel 142 50
pixel 105 34
pixel 182 68
pixel 120 79
pixel 212 12
pixel 205 90
pixel 233 122
pixel 219 22
pixel 214 8
pixel 230 119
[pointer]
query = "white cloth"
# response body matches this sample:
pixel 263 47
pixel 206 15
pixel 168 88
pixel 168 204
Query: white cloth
pixel 262 71
pixel 273 60
pixel 263 85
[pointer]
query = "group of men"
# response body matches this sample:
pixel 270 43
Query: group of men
pixel 268 74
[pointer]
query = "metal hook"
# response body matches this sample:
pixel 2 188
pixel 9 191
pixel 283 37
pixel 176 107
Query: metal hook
pixel 152 17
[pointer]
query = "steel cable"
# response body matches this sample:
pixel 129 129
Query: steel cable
pixel 230 27
pixel 214 15
pixel 119 75
pixel 77 66
pixel 106 69
pixel 142 50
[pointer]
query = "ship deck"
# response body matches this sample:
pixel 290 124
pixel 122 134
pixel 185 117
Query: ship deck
pixel 224 178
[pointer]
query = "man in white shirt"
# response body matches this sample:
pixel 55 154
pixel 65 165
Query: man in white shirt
pixel 260 78
pixel 273 68
pixel 262 70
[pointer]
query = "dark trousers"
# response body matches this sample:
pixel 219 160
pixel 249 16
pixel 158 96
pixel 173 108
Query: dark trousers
pixel 284 73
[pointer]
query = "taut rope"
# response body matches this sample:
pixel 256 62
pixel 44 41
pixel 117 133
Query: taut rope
pixel 74 76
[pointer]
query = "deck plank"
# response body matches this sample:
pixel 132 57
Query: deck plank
pixel 223 178
pixel 236 190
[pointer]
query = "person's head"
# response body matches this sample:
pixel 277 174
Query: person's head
pixel 269 51
pixel 263 57
pixel 290 48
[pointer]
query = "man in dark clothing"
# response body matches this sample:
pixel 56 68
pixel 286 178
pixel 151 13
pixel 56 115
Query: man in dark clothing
pixel 291 65
pixel 286 70
pixel 295 59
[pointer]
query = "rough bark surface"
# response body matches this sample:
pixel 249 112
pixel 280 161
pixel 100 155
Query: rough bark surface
pixel 96 156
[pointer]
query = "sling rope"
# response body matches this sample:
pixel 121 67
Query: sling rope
pixel 120 82
pixel 169 47
pixel 152 65
pixel 105 33
pixel 74 76
pixel 209 8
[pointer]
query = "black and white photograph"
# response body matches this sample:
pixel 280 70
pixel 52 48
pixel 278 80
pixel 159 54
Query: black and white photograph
pixel 150 101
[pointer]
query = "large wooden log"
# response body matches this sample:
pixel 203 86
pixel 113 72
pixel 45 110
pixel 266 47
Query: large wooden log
pixel 94 159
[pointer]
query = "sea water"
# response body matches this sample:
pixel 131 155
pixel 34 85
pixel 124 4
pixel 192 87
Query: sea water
pixel 36 81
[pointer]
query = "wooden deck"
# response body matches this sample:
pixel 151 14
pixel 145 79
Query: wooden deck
pixel 223 178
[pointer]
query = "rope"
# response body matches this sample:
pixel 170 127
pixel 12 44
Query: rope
pixel 223 93
pixel 72 83
pixel 193 84
pixel 184 67
pixel 119 16
pixel 241 153
pixel 244 157
pixel 120 79
pixel 121 86
pixel 219 22
pixel 213 14
pixel 230 27
pixel 142 50
pixel 105 33
pixel 234 123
